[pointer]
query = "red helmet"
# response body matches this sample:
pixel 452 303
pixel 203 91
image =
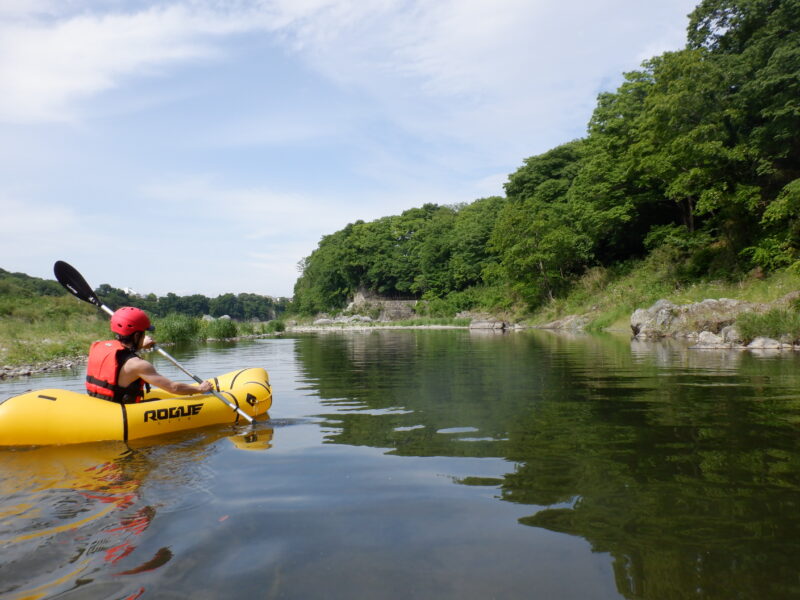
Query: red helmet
pixel 128 320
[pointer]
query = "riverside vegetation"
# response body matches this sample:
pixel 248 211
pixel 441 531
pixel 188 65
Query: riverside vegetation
pixel 687 185
pixel 40 321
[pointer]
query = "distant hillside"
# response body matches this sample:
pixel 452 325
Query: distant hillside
pixel 237 306
pixel 42 324
pixel 694 159
pixel 20 284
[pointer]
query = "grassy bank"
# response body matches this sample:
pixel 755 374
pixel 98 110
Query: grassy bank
pixel 42 328
pixel 180 328
pixel 609 296
pixel 38 329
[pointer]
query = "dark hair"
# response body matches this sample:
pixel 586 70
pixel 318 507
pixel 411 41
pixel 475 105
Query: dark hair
pixel 128 339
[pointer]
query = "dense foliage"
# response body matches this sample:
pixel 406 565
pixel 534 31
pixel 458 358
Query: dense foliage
pixel 236 306
pixel 698 153
pixel 40 320
pixel 24 286
pixel 424 252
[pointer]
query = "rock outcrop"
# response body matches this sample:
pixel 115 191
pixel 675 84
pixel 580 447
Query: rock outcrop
pixel 385 309
pixel 711 323
pixel 489 324
pixel 343 320
pixel 665 319
pixel 568 323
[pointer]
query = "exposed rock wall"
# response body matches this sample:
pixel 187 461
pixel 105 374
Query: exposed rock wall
pixel 712 323
pixel 568 323
pixel 665 319
pixel 385 309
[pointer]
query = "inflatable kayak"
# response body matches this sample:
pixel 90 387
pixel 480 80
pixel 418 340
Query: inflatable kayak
pixel 63 417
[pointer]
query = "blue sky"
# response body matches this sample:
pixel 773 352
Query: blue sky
pixel 205 146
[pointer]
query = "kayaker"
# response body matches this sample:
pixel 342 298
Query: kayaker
pixel 115 372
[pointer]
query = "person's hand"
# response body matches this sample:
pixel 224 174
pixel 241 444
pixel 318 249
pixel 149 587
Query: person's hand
pixel 205 387
pixel 147 343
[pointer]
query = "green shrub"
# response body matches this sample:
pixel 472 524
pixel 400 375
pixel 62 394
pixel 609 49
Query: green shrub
pixel 221 329
pixel 275 326
pixel 450 305
pixel 177 328
pixel 421 321
pixel 773 324
pixel 249 328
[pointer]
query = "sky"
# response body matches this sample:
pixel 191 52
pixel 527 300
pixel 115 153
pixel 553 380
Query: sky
pixel 206 146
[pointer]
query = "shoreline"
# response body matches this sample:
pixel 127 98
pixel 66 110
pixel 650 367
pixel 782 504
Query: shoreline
pixel 348 327
pixel 55 364
pixel 69 362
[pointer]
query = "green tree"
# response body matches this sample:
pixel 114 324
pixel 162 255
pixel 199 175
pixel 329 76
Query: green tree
pixel 471 255
pixel 537 237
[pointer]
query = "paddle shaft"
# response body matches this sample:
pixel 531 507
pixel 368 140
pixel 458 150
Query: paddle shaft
pixel 76 284
pixel 175 362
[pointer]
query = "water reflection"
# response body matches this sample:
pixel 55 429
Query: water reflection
pixel 72 517
pixel 684 465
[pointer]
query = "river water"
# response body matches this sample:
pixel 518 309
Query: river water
pixel 432 464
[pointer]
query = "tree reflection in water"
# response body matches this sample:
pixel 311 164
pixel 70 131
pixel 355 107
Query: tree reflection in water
pixel 684 465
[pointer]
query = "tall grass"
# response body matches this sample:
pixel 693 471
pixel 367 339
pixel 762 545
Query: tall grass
pixel 610 295
pixel 177 328
pixel 220 329
pixel 775 324
pixel 275 326
pixel 37 329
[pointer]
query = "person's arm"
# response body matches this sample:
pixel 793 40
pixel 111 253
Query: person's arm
pixel 140 368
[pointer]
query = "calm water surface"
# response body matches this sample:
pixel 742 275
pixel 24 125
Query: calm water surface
pixel 432 464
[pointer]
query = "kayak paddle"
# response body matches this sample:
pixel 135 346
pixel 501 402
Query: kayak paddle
pixel 73 281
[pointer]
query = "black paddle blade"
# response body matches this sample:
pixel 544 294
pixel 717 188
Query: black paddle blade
pixel 68 276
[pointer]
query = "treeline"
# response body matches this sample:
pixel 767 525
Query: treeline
pixel 695 157
pixel 430 251
pixel 243 307
pixel 22 285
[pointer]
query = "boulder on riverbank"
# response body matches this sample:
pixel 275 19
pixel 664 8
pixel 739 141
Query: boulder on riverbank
pixel 665 319
pixel 712 322
pixel 568 323
pixel 380 307
pixel 344 320
pixel 489 324
pixel 57 364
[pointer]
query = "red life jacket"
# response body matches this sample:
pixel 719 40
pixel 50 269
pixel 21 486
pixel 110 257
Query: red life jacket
pixel 102 373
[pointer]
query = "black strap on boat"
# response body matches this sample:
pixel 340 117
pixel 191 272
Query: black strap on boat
pixel 124 423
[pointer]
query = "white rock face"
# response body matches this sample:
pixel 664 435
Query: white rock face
pixel 764 343
pixel 688 320
pixel 706 339
pixel 488 325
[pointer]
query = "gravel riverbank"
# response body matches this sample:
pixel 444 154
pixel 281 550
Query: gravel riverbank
pixel 57 364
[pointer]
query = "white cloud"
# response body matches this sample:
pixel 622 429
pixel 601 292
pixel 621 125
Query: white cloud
pixel 482 57
pixel 262 229
pixel 252 212
pixel 412 101
pixel 472 71
pixel 46 66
